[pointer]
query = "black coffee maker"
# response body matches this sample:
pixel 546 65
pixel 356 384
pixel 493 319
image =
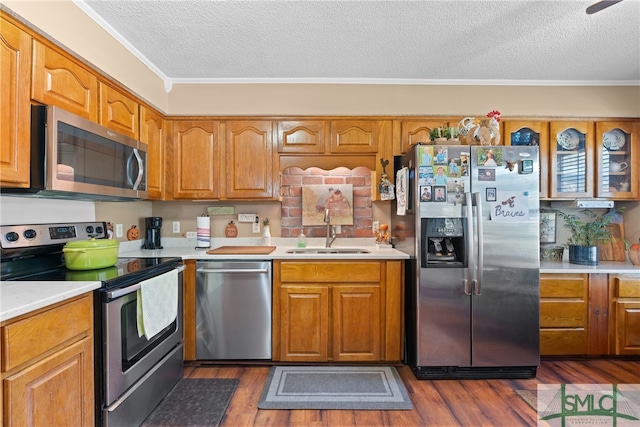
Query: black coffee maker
pixel 152 235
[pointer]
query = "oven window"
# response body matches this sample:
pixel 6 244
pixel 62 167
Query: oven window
pixel 134 347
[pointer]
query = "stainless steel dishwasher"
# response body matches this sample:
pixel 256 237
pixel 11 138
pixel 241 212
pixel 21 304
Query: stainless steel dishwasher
pixel 233 310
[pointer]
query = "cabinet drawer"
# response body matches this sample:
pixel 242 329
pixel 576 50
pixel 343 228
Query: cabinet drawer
pixel 562 314
pixel 563 286
pixel 563 342
pixel 28 338
pixel 330 272
pixel 627 287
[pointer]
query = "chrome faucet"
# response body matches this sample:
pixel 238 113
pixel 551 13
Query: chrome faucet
pixel 331 231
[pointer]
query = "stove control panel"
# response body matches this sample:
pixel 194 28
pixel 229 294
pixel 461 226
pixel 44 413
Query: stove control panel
pixel 31 235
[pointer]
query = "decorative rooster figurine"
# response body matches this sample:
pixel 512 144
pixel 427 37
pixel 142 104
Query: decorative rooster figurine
pixel 489 133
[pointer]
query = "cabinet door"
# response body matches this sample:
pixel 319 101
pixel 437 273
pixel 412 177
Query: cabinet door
pixel 58 390
pixel 617 160
pixel 414 132
pixel 354 136
pixel 118 112
pixel 15 57
pixel 627 337
pixel 59 80
pixel 248 157
pixel 195 159
pixel 153 133
pixel 302 136
pixel 304 323
pixel 532 133
pixel 357 328
pixel 571 152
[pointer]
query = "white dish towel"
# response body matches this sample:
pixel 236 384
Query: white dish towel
pixel 157 305
pixel 402 181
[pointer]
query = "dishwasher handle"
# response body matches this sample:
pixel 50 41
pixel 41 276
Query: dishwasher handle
pixel 232 270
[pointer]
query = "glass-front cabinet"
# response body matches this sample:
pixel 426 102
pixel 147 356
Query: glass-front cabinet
pixel 617 160
pixel 521 132
pixel 571 154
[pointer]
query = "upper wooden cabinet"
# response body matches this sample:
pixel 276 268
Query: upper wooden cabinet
pixel 617 160
pixel 249 159
pixel 413 132
pixel 62 81
pixel 195 159
pixel 118 111
pixel 15 107
pixel 355 136
pixel 518 133
pixel 153 131
pixel 302 136
pixel 571 158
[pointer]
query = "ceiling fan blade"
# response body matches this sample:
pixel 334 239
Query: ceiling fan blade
pixel 603 4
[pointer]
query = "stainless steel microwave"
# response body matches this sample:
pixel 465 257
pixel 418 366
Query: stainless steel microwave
pixel 72 157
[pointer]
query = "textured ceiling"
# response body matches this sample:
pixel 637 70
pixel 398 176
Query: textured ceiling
pixel 429 41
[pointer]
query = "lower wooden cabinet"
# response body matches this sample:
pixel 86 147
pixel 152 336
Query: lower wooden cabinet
pixel 337 311
pixel 47 366
pixel 589 314
pixel 564 303
pixel 625 314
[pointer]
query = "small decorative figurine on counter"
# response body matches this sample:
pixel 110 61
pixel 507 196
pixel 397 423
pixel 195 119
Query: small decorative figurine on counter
pixel 382 235
pixel 133 233
pixel 231 230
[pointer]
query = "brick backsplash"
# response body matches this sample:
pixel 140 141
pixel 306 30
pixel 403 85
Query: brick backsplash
pixel 294 178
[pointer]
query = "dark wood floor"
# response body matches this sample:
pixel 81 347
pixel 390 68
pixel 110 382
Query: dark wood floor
pixel 436 403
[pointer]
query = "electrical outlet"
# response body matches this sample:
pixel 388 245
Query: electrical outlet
pixel 118 230
pixel 192 234
pixel 176 226
pixel 256 227
pixel 375 226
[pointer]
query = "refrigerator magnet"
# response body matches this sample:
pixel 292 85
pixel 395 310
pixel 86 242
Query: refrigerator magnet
pixel 491 194
pixel 486 174
pixel 440 193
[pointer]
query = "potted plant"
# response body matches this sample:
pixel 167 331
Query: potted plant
pixel 585 236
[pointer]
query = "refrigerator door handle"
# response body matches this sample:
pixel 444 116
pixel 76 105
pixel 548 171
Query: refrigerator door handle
pixel 478 285
pixel 471 266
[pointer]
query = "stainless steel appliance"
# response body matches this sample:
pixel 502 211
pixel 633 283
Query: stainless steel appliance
pixel 153 227
pixel 233 310
pixel 469 218
pixel 74 157
pixel 132 373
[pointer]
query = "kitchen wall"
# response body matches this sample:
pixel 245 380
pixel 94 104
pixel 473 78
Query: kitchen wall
pixel 65 23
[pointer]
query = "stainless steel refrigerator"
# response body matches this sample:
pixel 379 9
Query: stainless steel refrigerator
pixel 468 216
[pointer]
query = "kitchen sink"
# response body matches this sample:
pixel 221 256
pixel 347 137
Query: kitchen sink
pixel 328 251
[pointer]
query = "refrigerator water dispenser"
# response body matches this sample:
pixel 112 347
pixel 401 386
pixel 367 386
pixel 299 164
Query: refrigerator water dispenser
pixel 444 242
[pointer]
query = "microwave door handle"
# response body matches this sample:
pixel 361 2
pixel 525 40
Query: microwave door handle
pixel 480 231
pixel 471 273
pixel 136 184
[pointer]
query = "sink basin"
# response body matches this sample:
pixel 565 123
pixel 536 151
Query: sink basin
pixel 328 251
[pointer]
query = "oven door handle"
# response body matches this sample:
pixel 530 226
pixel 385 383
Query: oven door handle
pixel 131 289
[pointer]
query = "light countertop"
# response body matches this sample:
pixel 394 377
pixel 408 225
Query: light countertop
pixel 185 249
pixel 17 298
pixel 605 267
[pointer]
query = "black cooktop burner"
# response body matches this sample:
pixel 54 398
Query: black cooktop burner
pixel 125 270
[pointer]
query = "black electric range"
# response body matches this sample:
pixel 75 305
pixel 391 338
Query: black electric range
pixel 34 253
